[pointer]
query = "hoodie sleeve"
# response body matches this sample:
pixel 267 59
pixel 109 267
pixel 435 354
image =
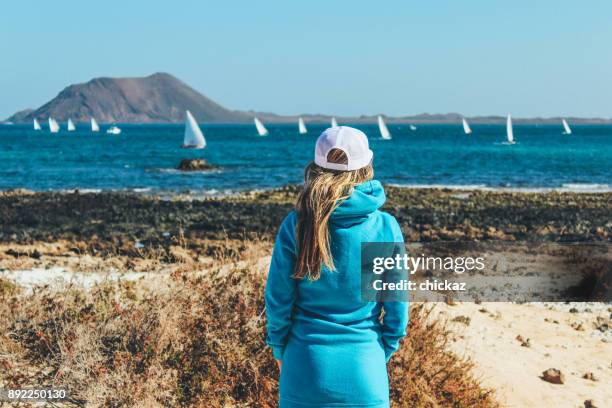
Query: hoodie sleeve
pixel 281 287
pixel 396 315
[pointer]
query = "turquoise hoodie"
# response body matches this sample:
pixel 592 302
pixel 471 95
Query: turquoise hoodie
pixel 334 346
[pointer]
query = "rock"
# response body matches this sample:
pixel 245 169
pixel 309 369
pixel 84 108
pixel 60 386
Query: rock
pixel 524 342
pixel 573 310
pixel 602 324
pixel 546 230
pixel 600 232
pixel 494 233
pixel 589 404
pixel 463 319
pixel 589 376
pixel 16 192
pixel 554 376
pixel 14 253
pixel 195 165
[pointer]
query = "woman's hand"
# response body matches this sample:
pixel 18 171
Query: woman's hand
pixel 279 363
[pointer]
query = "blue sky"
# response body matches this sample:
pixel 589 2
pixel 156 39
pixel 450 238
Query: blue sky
pixel 530 58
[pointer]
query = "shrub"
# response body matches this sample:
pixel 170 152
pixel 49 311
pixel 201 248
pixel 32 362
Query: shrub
pixel 194 340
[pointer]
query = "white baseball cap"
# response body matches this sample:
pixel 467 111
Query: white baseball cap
pixel 353 142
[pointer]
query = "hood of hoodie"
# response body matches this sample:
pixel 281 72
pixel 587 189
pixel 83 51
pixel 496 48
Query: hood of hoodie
pixel 365 199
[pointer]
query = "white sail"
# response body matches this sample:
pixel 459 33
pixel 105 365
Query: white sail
pixel 261 129
pixel 36 125
pixel 194 139
pixel 94 125
pixel 302 126
pixel 412 127
pixel 466 127
pixel 568 130
pixel 509 131
pixel 333 122
pixel 71 127
pixel 384 132
pixel 53 126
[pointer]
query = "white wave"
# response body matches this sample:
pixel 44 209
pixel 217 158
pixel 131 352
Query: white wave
pixel 82 190
pixel 182 172
pixel 564 188
pixel 443 186
pixel 587 187
pixel 195 195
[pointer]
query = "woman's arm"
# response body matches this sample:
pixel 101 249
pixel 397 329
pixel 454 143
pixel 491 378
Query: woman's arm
pixel 396 315
pixel 281 287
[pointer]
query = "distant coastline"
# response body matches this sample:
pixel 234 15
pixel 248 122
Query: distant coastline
pixel 317 119
pixel 163 98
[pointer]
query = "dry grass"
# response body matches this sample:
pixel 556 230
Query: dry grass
pixel 196 340
pixel 424 374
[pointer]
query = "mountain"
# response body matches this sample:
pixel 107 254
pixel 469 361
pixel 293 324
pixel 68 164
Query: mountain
pixel 20 116
pixel 161 98
pixel 157 98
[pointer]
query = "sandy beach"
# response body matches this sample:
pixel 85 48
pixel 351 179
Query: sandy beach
pixel 148 247
pixel 513 344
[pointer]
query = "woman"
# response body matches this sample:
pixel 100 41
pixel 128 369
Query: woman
pixel 331 347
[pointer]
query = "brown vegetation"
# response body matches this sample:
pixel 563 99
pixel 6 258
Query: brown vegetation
pixel 196 339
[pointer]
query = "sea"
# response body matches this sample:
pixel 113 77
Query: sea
pixel 143 158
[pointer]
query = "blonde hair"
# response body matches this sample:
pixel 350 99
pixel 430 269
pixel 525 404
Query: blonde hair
pixel 323 191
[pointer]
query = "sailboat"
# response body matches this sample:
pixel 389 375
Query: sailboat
pixel 71 127
pixel 194 139
pixel 302 126
pixel 566 129
pixel 412 127
pixel 113 130
pixel 333 122
pixel 94 125
pixel 53 126
pixel 466 127
pixel 261 129
pixel 384 132
pixel 36 125
pixel 509 132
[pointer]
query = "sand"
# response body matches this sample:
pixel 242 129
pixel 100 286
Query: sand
pixel 513 371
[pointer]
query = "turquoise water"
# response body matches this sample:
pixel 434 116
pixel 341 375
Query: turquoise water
pixel 144 157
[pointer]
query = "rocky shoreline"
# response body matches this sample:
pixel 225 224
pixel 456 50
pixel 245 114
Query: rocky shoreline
pixel 425 215
pixel 139 232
